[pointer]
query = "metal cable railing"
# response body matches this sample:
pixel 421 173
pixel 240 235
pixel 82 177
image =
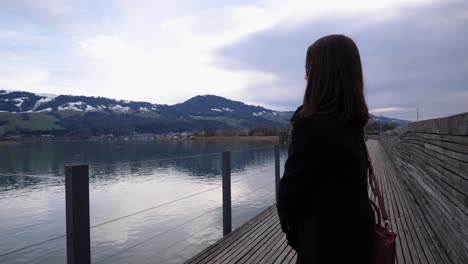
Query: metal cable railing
pixel 157 235
pixel 163 204
pixel 156 160
pixel 41 175
pixel 152 208
pixel 123 217
pixel 190 235
pixel 173 228
pixel 144 210
pixel 30 246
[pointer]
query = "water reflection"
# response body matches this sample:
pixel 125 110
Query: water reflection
pixel 32 208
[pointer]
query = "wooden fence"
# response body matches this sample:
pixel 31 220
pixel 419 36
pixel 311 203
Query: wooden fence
pixel 432 159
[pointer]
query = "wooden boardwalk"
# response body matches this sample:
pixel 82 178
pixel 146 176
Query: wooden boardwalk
pixel 261 241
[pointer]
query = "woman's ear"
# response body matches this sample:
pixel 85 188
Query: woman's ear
pixel 306 76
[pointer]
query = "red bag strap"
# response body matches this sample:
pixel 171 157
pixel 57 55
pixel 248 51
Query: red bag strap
pixel 376 190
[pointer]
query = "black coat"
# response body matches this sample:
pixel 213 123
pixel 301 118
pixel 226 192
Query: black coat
pixel 322 198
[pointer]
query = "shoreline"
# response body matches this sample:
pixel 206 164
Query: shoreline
pixel 260 138
pixel 220 138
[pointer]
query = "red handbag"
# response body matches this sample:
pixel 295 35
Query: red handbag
pixel 384 248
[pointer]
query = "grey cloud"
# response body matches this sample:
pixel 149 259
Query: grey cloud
pixel 416 59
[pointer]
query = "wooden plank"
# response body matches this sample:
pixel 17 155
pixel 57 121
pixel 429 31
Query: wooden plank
pixel 449 145
pixel 423 240
pixel 235 235
pixel 438 171
pixel 431 240
pixel 436 199
pixel 243 249
pixel 407 227
pixel 393 210
pixel 462 140
pixel 456 155
pixel 256 255
pixel 458 168
pixel 291 255
pixel 402 249
pixel 282 257
pixel 447 195
pixel 431 190
pixel 279 244
pixel 447 160
pixel 442 200
pixel 228 249
pixel 422 236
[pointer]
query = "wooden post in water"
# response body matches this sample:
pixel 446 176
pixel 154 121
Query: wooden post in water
pixel 226 171
pixel 77 214
pixel 277 168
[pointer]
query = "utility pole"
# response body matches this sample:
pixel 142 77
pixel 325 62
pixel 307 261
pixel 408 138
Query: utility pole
pixel 380 127
pixel 417 114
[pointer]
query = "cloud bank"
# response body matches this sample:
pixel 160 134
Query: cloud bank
pixel 167 51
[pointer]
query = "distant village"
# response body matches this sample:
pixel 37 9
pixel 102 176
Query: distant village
pixel 260 131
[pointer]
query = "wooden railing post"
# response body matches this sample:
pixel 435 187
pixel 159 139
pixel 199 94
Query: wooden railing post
pixel 226 171
pixel 277 168
pixel 77 214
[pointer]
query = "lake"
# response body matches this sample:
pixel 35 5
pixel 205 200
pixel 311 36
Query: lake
pixel 127 177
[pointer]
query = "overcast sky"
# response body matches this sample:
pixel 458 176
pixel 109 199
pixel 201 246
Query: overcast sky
pixel 414 52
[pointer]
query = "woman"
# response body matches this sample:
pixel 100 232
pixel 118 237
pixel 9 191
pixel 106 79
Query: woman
pixel 322 199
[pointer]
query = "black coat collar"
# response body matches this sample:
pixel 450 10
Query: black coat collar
pixel 296 115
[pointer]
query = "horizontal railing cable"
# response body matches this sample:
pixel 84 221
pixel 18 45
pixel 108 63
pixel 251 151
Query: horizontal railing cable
pixel 33 245
pixel 183 239
pixel 242 150
pixel 37 174
pixel 148 209
pixel 177 158
pixel 135 213
pixel 202 229
pixel 159 234
pixel 156 160
pixel 163 204
pixel 34 174
pixel 154 207
pixel 173 228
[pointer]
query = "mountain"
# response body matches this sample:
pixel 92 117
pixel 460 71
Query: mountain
pixel 65 115
pixel 398 122
pixel 30 103
pixel 29 113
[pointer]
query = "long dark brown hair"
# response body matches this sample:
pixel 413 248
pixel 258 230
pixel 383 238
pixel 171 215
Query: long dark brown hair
pixel 335 83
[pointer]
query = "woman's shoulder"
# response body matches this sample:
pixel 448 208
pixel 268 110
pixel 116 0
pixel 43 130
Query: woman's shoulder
pixel 311 118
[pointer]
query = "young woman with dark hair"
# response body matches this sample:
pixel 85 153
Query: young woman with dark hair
pixel 322 200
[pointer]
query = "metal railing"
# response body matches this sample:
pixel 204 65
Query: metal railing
pixel 77 209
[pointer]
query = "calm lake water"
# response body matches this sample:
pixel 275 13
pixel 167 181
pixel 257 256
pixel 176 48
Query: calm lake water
pixel 127 177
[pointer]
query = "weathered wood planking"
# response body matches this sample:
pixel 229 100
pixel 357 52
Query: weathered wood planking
pixel 261 240
pixel 431 158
